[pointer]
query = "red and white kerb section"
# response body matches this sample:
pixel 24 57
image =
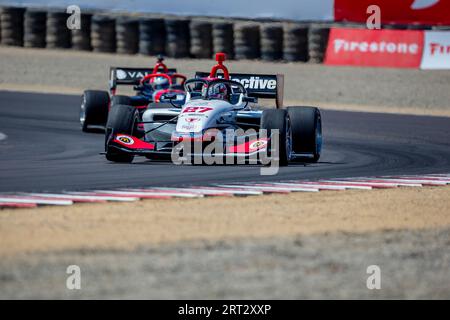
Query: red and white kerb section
pixel 32 200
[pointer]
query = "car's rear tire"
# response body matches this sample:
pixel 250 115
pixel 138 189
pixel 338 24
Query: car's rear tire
pixel 306 123
pixel 273 119
pixel 121 119
pixel 94 109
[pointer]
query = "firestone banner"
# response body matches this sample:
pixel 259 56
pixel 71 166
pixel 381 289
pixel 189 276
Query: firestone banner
pixel 375 48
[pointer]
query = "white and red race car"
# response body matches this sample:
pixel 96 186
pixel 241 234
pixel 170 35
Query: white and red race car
pixel 219 105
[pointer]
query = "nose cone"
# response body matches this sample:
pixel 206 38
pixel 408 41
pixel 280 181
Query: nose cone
pixel 191 123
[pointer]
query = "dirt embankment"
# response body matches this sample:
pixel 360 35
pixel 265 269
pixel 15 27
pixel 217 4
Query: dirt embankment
pixel 150 222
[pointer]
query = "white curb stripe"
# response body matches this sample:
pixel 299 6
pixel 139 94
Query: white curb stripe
pixel 74 198
pixel 319 186
pixel 204 192
pixel 428 181
pixel 410 181
pixel 289 188
pixel 348 185
pixel 229 190
pixel 387 183
pixel 364 183
pixel 18 199
pixel 141 195
pixel 268 189
pixel 157 192
pixel 105 196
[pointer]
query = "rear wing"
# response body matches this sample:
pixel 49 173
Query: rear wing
pixel 129 76
pixel 266 86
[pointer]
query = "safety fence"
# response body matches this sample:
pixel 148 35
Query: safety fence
pixel 177 37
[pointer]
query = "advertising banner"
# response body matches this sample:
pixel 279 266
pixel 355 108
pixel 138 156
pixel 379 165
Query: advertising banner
pixel 436 53
pixel 375 48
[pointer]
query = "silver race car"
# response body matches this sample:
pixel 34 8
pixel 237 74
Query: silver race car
pixel 221 109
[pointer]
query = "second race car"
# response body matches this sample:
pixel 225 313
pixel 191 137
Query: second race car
pixel 150 85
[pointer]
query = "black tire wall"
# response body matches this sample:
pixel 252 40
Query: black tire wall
pixel 201 39
pixel 58 35
pixel 152 36
pixel 103 34
pixel 81 38
pixel 35 29
pixel 295 42
pixel 246 41
pixel 178 38
pixel 223 38
pixel 12 26
pixel 271 41
pixel 127 35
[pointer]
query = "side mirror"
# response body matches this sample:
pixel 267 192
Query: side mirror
pixel 170 96
pixel 250 99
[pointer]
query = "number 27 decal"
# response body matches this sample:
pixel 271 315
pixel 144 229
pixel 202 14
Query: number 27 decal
pixel 197 109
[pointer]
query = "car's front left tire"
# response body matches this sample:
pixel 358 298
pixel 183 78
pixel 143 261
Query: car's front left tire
pixel 93 109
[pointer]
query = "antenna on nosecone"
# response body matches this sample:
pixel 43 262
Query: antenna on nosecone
pixel 160 65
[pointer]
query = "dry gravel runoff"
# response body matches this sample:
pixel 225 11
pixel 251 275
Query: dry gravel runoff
pixel 343 88
pixel 292 246
pixel 279 246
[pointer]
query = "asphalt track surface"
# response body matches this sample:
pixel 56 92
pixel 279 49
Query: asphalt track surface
pixel 45 150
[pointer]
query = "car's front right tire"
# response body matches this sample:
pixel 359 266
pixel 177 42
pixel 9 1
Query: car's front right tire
pixel 278 119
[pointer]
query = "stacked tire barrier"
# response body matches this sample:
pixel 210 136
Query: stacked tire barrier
pixel 152 36
pixel 271 42
pixel 178 38
pixel 127 33
pixel 317 42
pixel 103 34
pixel 223 38
pixel 58 35
pixel 12 26
pixel 295 42
pixel 246 41
pixel 81 38
pixel 174 37
pixel 35 29
pixel 201 39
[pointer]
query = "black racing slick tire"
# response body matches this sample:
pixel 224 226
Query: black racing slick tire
pixel 94 109
pixel 278 119
pixel 121 119
pixel 124 100
pixel 306 124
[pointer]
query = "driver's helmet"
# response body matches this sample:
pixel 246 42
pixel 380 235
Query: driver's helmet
pixel 218 91
pixel 160 83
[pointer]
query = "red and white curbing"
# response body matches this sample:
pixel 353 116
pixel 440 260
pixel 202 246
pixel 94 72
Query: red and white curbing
pixel 32 200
